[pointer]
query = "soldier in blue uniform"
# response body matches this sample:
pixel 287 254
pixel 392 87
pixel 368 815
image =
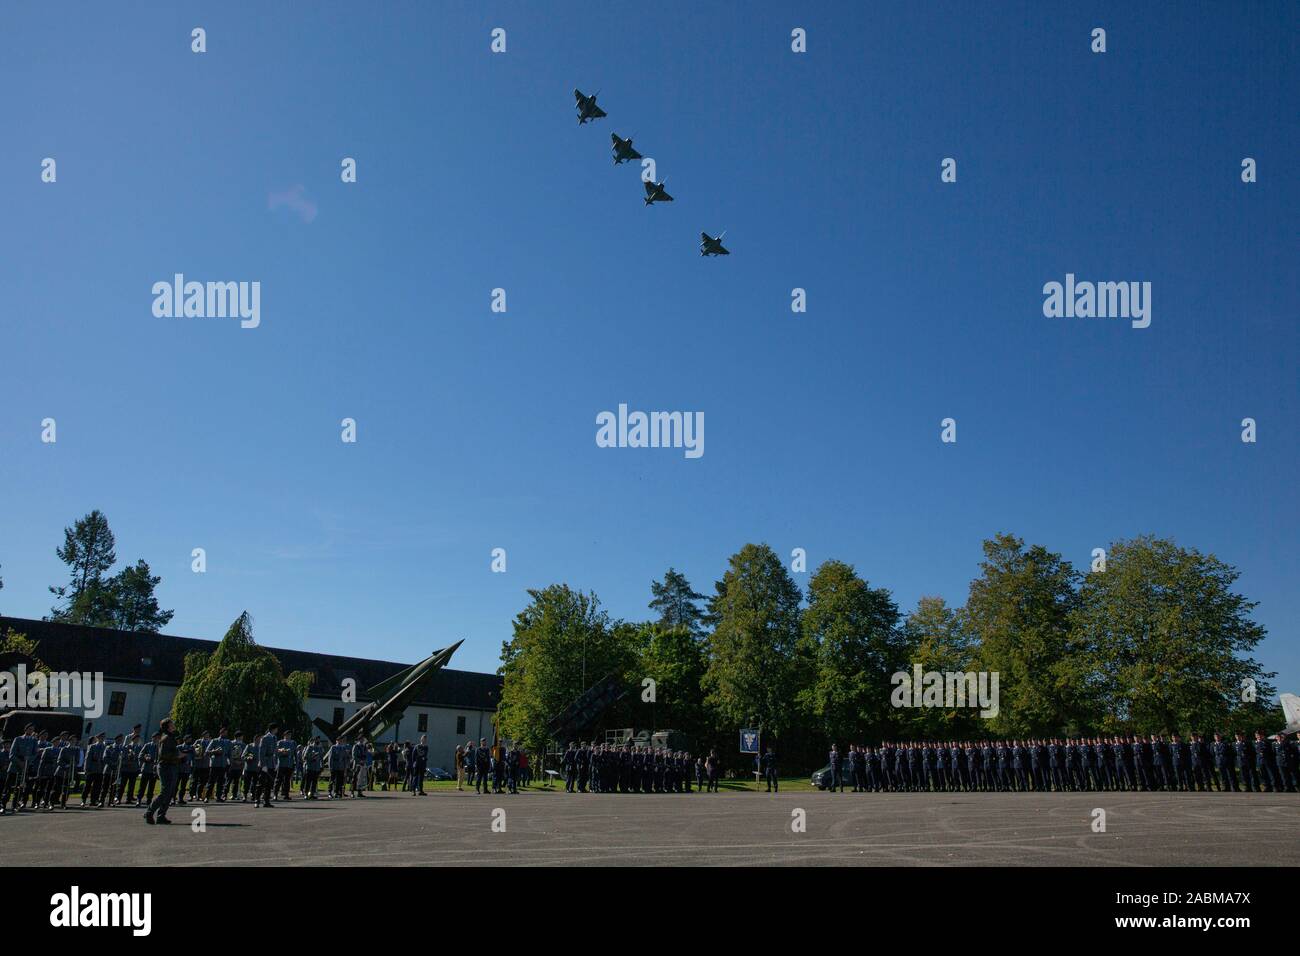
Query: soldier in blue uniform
pixel 1056 764
pixel 1201 766
pixel 285 753
pixel 1123 749
pixel 483 767
pixel 713 768
pixel 836 764
pixel 907 765
pixel 768 766
pixel 1160 763
pixel 338 763
pixel 218 754
pixel 875 780
pixel 266 766
pixel 986 766
pixel 148 771
pixel 1180 760
pixel 1266 764
pixel 201 767
pixel 313 758
pixel 1282 764
pixel 94 771
pixel 1244 752
pixel 112 760
pixel 47 759
pixel 959 777
pixel 569 765
pixel 184 768
pixel 419 764
pixel 6 779
pixel 128 768
pixel 22 765
pixel 1225 763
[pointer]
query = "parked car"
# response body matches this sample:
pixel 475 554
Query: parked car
pixel 822 778
pixel 437 773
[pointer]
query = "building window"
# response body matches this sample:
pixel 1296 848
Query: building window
pixel 117 703
pixel 338 716
pixel 422 723
pixel 460 725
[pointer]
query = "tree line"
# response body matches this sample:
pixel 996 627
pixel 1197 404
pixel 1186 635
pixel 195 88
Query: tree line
pixel 1155 640
pixel 95 597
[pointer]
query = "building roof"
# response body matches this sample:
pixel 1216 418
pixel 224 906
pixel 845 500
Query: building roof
pixel 160 658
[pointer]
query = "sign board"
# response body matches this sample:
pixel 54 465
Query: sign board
pixel 749 741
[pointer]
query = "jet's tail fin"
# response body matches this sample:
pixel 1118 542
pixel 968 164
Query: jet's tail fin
pixel 331 730
pixel 1291 710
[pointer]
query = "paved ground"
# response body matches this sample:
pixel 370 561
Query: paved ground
pixel 687 829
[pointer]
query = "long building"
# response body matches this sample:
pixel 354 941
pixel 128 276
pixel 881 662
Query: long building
pixel 142 673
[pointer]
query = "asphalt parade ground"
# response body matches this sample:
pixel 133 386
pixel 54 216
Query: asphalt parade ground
pixel 739 829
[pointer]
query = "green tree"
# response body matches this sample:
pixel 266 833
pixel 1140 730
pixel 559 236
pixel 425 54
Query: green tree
pixel 563 642
pixel 677 602
pixel 674 659
pixel 88 552
pixel 849 634
pixel 755 663
pixel 13 642
pixel 936 639
pixel 1164 641
pixel 134 607
pixel 241 686
pixel 1019 610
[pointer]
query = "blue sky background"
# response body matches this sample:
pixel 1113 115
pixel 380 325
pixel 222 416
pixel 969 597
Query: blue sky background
pixel 477 430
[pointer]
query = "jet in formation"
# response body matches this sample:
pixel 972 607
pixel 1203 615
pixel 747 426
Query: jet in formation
pixel 710 246
pixel 587 108
pixel 623 151
pixel 654 192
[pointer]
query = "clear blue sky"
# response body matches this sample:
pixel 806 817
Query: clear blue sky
pixel 477 430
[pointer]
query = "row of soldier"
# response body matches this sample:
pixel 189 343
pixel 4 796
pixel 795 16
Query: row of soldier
pixel 41 772
pixel 1094 763
pixel 609 768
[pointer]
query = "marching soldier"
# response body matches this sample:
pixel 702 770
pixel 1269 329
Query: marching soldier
pixel 235 772
pixel 128 768
pixel 218 752
pixel 338 758
pixel 148 771
pixel 5 779
pixel 202 767
pixel 184 767
pixel 266 766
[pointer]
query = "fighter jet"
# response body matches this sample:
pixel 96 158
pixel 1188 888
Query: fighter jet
pixel 623 151
pixel 1291 711
pixel 654 192
pixel 587 108
pixel 712 247
pixel 389 699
